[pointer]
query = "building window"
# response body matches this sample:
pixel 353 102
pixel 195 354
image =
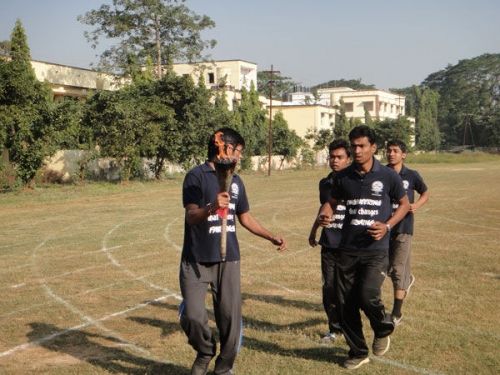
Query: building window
pixel 349 107
pixel 368 106
pixel 211 78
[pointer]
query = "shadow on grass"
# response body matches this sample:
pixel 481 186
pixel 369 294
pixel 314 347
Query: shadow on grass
pixel 328 354
pixel 84 346
pixel 278 300
pixel 166 327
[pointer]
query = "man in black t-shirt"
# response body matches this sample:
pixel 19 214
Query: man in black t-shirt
pixel 367 189
pixel 201 264
pixel 401 235
pixel 339 157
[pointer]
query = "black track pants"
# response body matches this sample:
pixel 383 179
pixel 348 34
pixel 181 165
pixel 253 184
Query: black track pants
pixel 359 279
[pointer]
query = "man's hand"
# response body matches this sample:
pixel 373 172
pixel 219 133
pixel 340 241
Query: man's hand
pixel 378 230
pixel 222 200
pixel 312 240
pixel 413 208
pixel 324 220
pixel 280 242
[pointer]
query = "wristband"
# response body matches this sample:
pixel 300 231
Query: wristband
pixel 388 226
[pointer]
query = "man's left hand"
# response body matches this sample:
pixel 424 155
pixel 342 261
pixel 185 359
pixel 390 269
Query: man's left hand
pixel 377 230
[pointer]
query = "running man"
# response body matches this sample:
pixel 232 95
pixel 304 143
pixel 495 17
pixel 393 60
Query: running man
pixel 368 190
pixel 402 233
pixel 339 157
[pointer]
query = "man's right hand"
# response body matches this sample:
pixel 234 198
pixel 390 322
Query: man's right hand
pixel 324 220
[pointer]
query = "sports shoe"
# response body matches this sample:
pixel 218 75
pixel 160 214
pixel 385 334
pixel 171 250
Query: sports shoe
pixel 200 364
pixel 397 320
pixel 412 281
pixel 353 363
pixel 381 345
pixel 328 338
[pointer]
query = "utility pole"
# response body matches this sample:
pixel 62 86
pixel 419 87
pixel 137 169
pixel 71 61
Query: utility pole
pixel 270 136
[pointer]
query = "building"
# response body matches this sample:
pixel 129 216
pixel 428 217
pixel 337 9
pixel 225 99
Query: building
pixel 229 75
pixel 70 81
pixel 304 117
pixel 380 104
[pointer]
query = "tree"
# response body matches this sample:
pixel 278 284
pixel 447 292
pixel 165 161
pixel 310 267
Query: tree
pixel 427 135
pixel 281 85
pixel 321 138
pixel 165 30
pixel 469 89
pixel 285 141
pixel 125 125
pixel 355 84
pixel 24 110
pixel 368 118
pixel 342 125
pixel 251 123
pixel 388 129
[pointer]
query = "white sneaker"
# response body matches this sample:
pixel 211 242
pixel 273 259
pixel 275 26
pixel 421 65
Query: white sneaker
pixel 329 337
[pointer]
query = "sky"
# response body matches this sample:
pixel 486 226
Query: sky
pixel 391 44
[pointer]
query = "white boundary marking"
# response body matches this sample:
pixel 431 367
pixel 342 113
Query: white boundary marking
pixel 84 325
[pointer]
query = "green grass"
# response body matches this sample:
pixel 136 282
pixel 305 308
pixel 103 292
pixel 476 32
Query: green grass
pixel 103 260
pixel 449 158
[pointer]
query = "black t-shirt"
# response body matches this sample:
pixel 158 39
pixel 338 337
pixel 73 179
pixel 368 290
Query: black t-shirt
pixel 368 198
pixel 202 241
pixel 331 234
pixel 412 181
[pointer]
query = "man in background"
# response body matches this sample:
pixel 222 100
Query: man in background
pixel 339 157
pixel 402 233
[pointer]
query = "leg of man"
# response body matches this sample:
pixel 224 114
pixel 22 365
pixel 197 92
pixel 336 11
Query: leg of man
pixel 400 256
pixel 373 273
pixel 227 307
pixel 328 289
pixel 348 305
pixel 194 279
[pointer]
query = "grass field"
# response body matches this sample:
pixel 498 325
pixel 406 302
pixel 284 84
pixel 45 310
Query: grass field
pixel 89 280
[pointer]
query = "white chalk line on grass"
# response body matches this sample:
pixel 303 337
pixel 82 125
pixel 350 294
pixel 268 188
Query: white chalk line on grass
pixel 80 270
pixel 85 292
pixel 405 366
pixel 124 269
pixel 78 312
pixel 85 325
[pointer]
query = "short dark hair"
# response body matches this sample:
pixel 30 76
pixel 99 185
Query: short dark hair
pixel 363 131
pixel 340 143
pixel 229 136
pixel 397 143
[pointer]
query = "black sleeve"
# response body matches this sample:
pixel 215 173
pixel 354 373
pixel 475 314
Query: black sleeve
pixel 242 205
pixel 325 190
pixel 337 190
pixel 419 185
pixel 397 189
pixel 191 190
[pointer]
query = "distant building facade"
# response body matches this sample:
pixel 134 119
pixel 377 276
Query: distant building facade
pixel 70 81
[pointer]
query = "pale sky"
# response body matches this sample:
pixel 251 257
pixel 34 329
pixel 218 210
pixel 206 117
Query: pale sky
pixel 388 43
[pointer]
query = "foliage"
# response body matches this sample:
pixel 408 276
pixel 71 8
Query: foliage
pixel 321 138
pixel 427 135
pixel 285 141
pixel 388 129
pixel 125 125
pixel 280 88
pixel 25 106
pixel 342 124
pixel 251 123
pixel 469 95
pixel 355 84
pixel 165 30
pixel 66 121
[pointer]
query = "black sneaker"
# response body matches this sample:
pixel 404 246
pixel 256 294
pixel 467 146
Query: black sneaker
pixel 381 345
pixel 353 363
pixel 200 364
